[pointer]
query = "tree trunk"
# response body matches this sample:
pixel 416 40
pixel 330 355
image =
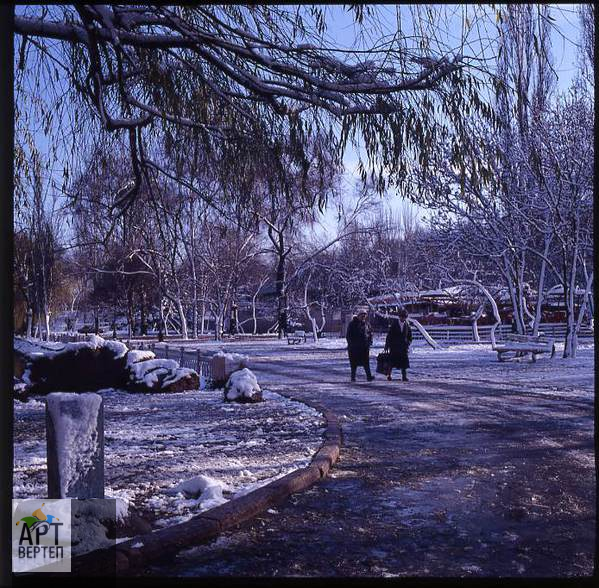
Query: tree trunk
pixel 163 319
pixel 324 318
pixel 47 323
pixel 218 324
pixel 514 297
pixel 254 318
pixel 129 315
pixel 280 289
pixel 540 291
pixel 182 319
pixel 142 314
pixel 194 311
pixel 477 315
pixel 583 306
pixel 312 322
pixel 203 316
pixel 29 322
pixel 570 293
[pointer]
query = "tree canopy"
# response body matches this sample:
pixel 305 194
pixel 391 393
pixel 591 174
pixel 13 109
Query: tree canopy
pixel 234 77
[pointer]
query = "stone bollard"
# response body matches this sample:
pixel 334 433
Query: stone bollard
pixel 222 366
pixel 217 364
pixel 75 445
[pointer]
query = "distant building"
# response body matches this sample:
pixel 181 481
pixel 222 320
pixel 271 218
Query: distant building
pixel 455 305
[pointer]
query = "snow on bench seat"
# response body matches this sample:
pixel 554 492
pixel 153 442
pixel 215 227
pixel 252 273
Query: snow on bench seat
pixel 521 345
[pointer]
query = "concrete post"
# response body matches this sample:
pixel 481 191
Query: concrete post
pixel 217 363
pixel 75 445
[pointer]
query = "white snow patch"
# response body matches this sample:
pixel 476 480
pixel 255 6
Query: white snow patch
pixel 243 360
pixel 242 383
pixel 137 355
pixel 148 371
pixel 179 374
pixel 119 349
pixel 207 492
pixel 198 485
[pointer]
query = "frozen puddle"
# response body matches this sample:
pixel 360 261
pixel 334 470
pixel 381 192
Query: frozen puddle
pixel 153 443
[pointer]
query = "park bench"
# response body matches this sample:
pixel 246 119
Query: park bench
pixel 296 337
pixel 516 347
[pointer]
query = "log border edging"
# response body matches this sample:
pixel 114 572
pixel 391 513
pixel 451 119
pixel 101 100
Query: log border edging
pixel 211 523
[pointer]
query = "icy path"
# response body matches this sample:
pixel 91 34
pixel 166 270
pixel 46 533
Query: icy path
pixel 473 468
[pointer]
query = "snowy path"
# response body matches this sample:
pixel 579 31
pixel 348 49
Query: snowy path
pixel 454 473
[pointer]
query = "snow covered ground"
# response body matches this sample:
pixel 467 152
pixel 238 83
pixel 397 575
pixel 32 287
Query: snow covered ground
pixel 155 442
pixel 473 467
pixel 468 362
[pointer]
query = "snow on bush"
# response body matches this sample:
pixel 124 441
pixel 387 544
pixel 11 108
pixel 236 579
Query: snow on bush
pixel 179 374
pixel 207 491
pixel 243 387
pixel 137 355
pixel 96 364
pixel 162 374
pixel 95 342
pixel 148 372
pixel 238 358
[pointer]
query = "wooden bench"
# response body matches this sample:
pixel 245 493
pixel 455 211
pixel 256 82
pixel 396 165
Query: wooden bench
pixel 516 347
pixel 296 337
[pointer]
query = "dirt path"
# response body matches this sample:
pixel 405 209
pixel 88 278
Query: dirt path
pixel 437 477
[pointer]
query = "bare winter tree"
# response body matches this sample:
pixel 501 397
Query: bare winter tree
pixel 567 154
pixel 38 258
pixel 502 217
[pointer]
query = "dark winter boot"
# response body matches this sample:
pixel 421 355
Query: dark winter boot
pixel 369 375
pixel 404 375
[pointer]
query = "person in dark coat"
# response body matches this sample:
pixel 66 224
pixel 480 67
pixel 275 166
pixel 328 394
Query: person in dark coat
pixel 359 340
pixel 397 344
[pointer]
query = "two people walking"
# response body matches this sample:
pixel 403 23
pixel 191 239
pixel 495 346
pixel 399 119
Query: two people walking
pixel 397 344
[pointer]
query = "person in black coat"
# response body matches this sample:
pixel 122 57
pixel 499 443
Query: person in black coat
pixel 397 344
pixel 359 340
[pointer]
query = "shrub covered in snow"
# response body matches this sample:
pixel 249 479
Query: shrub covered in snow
pixel 93 365
pixel 137 355
pixel 242 386
pixel 82 366
pixel 237 358
pixel 162 375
